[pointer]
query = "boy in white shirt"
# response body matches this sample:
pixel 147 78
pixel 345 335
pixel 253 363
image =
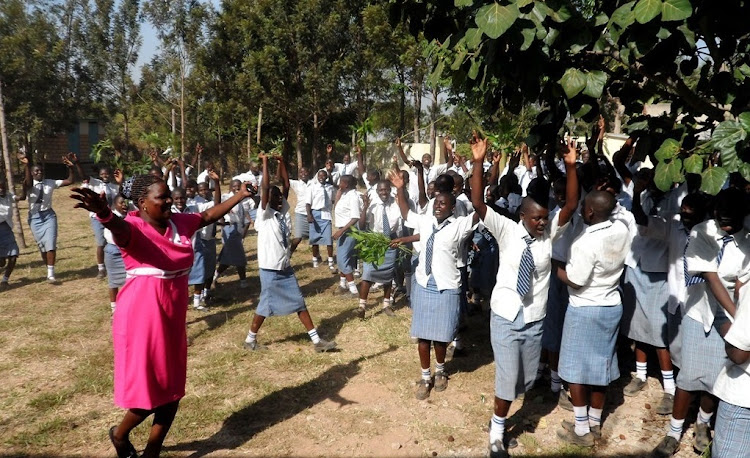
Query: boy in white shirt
pixel 237 222
pixel 346 215
pixel 588 361
pixel 717 256
pixel 519 297
pixel 318 208
pixel 280 294
pixel 8 246
pixel 301 187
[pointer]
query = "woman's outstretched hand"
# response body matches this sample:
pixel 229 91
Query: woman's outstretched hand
pixel 89 200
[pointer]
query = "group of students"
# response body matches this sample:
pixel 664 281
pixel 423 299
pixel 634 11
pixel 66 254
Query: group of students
pixel 580 258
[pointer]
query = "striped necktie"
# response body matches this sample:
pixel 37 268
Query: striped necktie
pixel 326 199
pixel 40 188
pixel 283 227
pixel 429 248
pixel 695 279
pixel 386 225
pixel 526 268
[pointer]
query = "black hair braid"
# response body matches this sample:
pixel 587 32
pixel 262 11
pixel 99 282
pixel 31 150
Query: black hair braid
pixel 138 187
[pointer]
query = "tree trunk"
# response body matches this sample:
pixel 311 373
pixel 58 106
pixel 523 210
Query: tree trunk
pixel 8 169
pixel 316 140
pixel 433 117
pixel 402 104
pixel 417 91
pixel 182 112
pixel 299 144
pixel 249 142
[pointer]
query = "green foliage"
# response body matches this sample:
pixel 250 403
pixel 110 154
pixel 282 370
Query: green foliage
pixel 104 153
pixel 362 130
pixel 372 246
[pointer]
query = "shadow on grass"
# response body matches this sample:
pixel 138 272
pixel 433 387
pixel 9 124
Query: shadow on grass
pixel 217 318
pixel 241 426
pixel 475 335
pixel 328 328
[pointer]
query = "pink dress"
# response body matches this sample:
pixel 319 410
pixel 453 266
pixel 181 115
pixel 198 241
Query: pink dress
pixel 148 328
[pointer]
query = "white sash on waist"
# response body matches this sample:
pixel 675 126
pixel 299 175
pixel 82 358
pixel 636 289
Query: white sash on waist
pixel 157 273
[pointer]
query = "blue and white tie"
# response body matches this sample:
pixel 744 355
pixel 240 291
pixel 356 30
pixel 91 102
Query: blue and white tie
pixel 429 248
pixel 526 268
pixel 283 227
pixel 386 224
pixel 695 279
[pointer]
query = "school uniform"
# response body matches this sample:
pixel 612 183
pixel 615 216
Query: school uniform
pixel 42 218
pixel 8 245
pixel 279 290
pixel 347 208
pixel 320 199
pixel 596 262
pixel 430 174
pixel 436 290
pixel 116 274
pixel 207 236
pixel 341 169
pixel 232 252
pixel 203 178
pixel 519 301
pixel 383 218
pixel 645 290
pixel 709 249
pixel 675 235
pixel 732 387
pixel 302 192
pixel 198 272
pixel 110 190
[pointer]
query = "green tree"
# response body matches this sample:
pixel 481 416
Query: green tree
pixel 566 55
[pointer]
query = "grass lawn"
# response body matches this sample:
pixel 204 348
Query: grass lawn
pixel 56 361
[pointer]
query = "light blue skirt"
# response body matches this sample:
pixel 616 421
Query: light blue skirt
pixel 383 273
pixel 732 432
pixel 115 266
pixel 98 229
pixel 197 274
pixel 434 313
pixel 279 293
pixel 301 226
pixel 645 307
pixel 8 245
pixel 703 355
pixel 232 251
pixel 557 305
pixel 44 227
pixel 346 255
pixel 320 230
pixel 517 347
pixel 587 352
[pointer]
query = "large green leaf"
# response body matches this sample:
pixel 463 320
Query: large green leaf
pixel 729 159
pixel 436 74
pixel 665 174
pixel 623 16
pixel 676 10
pixel 461 3
pixel 460 57
pixel 693 164
pixel 745 171
pixel 727 134
pixel 522 3
pixel 744 119
pixel 528 38
pixel 474 69
pixel 495 19
pixel 473 38
pixel 646 10
pixel 562 14
pixel 689 34
pixel 595 81
pixel 713 179
pixel 573 81
pixel 668 150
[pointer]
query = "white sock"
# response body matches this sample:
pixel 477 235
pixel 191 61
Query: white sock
pixel 704 417
pixel 555 381
pixel 251 337
pixel 595 417
pixel 640 370
pixel 196 300
pixel 582 420
pixel 497 428
pixel 352 287
pixel 112 305
pixel 386 302
pixel 426 374
pixel 100 267
pixel 363 303
pixel 342 282
pixel 439 367
pixel 675 427
pixel 313 333
pixel 204 293
pixel 330 261
pixel 668 381
pixel 216 275
pixel 50 271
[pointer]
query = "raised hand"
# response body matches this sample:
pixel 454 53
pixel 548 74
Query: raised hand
pixel 213 175
pixel 478 149
pixel 417 164
pixel 246 190
pixel 67 161
pixel 395 177
pixel 118 176
pixel 571 153
pixel 89 200
pixel 365 200
pixel 72 157
pixel 22 158
pixel 329 149
pixel 397 142
pixel 447 143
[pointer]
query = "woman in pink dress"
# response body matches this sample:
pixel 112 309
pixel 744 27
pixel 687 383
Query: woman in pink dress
pixel 148 328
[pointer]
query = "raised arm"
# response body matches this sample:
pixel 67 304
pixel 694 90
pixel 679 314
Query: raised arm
pixel 211 215
pixel 401 153
pixel 217 187
pixel 27 180
pixel 363 213
pixel 571 185
pixel 183 174
pixel 68 161
pixel 478 151
pixel 284 177
pixel 97 203
pixel 619 159
pixel 398 182
pixel 265 185
pixel 422 198
pixel 495 167
pixel 448 155
pixel 360 163
pixel 640 216
pixel 84 177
